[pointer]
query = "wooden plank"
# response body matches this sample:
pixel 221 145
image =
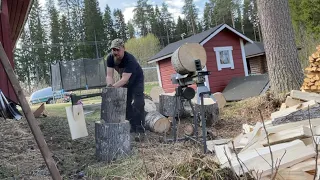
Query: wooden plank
pixel 287 111
pixel 47 155
pixel 292 153
pixel 223 153
pixel 305 96
pixel 277 128
pixel 285 136
pixel 292 102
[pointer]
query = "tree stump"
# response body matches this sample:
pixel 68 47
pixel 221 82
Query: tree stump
pixel 168 104
pixel 112 140
pixel 156 122
pixel 113 105
pixel 211 112
pixel 113 132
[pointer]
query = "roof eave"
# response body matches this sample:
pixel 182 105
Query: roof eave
pixel 24 22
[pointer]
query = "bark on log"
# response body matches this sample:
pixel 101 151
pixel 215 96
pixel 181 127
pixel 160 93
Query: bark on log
pixel 167 105
pixel 112 140
pixel 302 114
pixel 156 122
pixel 277 31
pixel 211 112
pixel 113 105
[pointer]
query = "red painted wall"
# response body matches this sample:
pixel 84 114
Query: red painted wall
pixel 7 43
pixel 218 80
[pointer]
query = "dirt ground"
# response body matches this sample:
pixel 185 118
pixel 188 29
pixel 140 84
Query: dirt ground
pixel 20 157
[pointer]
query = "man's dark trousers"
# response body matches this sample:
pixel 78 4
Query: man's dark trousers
pixel 135 111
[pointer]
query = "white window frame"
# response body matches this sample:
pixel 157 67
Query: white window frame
pixel 226 48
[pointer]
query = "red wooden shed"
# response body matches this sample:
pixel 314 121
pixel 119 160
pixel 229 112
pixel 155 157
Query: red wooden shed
pixel 12 19
pixel 221 42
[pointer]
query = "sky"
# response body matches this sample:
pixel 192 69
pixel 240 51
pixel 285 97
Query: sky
pixel 127 6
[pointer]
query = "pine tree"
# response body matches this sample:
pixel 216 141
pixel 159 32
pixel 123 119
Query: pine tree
pixel 109 31
pixel 93 28
pixel 140 17
pixel 54 36
pixel 38 37
pixel 120 25
pixel 131 32
pixel 66 38
pixel 191 13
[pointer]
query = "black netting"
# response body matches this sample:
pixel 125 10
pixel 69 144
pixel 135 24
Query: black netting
pixel 78 74
pixel 95 72
pixel 55 77
pixel 73 75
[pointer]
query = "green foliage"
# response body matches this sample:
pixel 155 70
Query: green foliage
pixel 137 46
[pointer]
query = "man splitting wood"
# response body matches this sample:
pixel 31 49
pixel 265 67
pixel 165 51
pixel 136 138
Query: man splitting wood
pixel 131 77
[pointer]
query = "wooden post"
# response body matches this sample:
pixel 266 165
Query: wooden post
pixel 211 112
pixel 113 105
pixel 46 154
pixel 113 133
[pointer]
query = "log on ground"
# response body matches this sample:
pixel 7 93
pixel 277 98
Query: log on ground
pixel 112 140
pixel 168 104
pixel 113 105
pixel 211 112
pixel 156 122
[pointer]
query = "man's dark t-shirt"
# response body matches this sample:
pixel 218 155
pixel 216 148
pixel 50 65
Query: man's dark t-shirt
pixel 128 64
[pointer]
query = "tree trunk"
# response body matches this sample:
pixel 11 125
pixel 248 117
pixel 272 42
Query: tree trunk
pixel 285 71
pixel 168 104
pixel 156 122
pixel 112 140
pixel 211 112
pixel 113 105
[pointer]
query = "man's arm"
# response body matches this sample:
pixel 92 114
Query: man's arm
pixel 109 77
pixel 123 80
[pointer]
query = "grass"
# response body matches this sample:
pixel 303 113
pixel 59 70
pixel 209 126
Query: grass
pixel 150 159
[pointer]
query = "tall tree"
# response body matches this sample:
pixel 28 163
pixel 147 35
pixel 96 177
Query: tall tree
pixel 191 13
pixel 66 38
pixel 109 31
pixel 38 38
pixel 55 51
pixel 120 25
pixel 93 28
pixel 131 32
pixel 140 17
pixel 167 22
pixel 285 70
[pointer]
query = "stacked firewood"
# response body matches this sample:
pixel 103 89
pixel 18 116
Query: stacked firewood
pixel 312 80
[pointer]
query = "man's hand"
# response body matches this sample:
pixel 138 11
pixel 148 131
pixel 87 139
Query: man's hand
pixel 123 81
pixel 109 85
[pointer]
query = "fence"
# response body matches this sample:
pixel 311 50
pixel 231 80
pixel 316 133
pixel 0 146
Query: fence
pixel 84 74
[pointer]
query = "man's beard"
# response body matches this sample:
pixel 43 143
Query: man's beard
pixel 117 60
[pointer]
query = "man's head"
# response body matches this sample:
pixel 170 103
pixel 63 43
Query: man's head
pixel 117 49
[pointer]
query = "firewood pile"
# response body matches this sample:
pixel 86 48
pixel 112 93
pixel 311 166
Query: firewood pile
pixel 282 147
pixel 311 82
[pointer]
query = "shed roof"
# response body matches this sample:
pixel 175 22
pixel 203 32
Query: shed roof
pixel 254 49
pixel 200 38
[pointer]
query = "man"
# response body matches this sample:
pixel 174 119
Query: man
pixel 132 78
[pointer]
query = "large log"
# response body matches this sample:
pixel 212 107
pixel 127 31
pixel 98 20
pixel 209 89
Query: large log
pixel 156 122
pixel 113 105
pixel 211 111
pixel 168 104
pixel 112 140
pixel 183 58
